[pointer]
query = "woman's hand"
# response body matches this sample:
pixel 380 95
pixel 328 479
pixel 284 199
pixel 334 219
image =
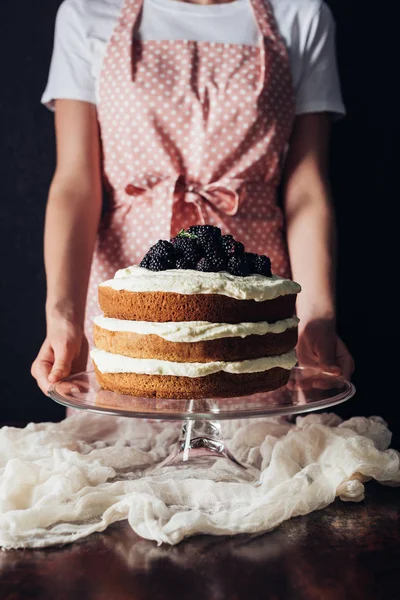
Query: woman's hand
pixel 72 219
pixel 320 346
pixel 311 236
pixel 63 352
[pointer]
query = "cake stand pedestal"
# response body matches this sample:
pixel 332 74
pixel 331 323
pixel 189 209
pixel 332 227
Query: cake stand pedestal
pixel 200 441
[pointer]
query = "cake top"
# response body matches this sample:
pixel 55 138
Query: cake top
pixel 252 287
pixel 212 263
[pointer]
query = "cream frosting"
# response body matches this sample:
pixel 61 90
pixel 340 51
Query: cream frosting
pixel 116 363
pixel 253 287
pixel 195 331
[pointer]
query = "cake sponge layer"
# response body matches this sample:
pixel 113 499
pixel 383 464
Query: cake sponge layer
pixel 216 385
pixel 225 349
pixel 167 306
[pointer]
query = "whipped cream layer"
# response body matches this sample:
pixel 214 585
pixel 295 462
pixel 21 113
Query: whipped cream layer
pixel 195 331
pixel 116 363
pixel 253 287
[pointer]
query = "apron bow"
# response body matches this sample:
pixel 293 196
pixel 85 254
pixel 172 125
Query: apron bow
pixel 222 196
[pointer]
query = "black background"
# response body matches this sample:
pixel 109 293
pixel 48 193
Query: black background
pixel 364 181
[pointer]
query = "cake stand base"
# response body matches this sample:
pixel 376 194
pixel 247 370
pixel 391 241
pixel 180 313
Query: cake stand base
pixel 200 445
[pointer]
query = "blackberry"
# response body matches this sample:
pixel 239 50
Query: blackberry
pixel 182 263
pixel 251 259
pixel 162 249
pixel 186 248
pixel 239 265
pixel 160 263
pixel 210 250
pixel 144 263
pixel 231 247
pixel 226 238
pixel 208 243
pixel 262 266
pixel 219 263
pixel 205 265
pixel 202 231
pixel 204 243
pixel 213 253
pixel 160 257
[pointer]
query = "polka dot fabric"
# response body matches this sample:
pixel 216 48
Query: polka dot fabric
pixel 192 132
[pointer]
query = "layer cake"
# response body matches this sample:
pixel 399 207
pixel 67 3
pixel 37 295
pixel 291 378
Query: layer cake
pixel 192 333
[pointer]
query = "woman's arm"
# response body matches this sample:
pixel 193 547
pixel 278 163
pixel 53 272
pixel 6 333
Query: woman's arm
pixel 311 240
pixel 72 219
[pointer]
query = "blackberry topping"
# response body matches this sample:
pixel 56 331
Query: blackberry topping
pixel 213 253
pixel 218 263
pixel 182 263
pixel 205 265
pixel 208 244
pixel 231 247
pixel 202 247
pixel 204 243
pixel 239 265
pixel 144 263
pixel 186 248
pixel 160 257
pixel 202 231
pixel 251 259
pixel 160 263
pixel 262 266
pixel 226 239
pixel 163 249
pixel 210 249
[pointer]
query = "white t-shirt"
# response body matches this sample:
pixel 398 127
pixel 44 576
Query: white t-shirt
pixel 83 28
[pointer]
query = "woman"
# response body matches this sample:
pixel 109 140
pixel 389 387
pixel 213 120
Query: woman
pixel 202 111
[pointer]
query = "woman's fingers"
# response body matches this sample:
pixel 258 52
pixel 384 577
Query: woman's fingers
pixel 63 357
pixel 79 363
pixel 344 359
pixel 43 369
pixel 320 346
pixel 64 346
pixel 325 348
pixel 332 369
pixel 42 366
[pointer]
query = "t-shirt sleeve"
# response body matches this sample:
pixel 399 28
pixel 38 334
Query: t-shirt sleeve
pixel 70 75
pixel 318 88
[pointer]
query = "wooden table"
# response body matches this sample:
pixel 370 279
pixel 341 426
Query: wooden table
pixel 346 551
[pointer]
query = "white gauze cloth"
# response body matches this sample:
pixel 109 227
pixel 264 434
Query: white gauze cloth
pixel 62 481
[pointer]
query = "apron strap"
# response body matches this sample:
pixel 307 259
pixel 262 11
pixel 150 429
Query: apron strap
pixel 265 18
pixel 125 28
pixel 134 9
pixel 268 27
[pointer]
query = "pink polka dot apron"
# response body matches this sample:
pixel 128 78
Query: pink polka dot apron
pixel 192 132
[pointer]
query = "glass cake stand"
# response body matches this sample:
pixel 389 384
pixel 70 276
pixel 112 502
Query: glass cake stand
pixel 200 441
